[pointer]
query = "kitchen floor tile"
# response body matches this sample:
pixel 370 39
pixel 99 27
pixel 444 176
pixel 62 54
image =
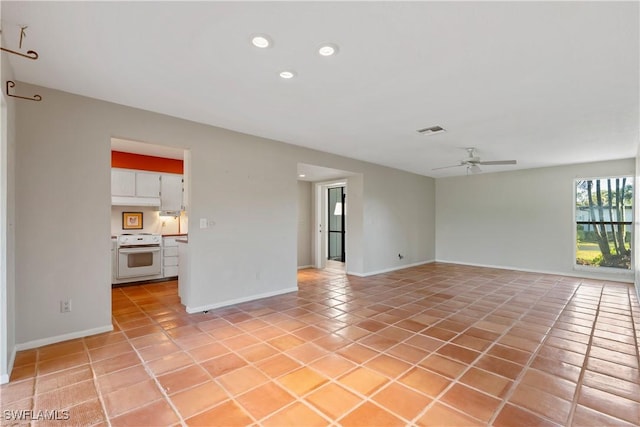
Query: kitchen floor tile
pixel 438 344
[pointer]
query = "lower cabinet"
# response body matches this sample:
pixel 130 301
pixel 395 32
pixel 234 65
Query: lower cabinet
pixel 169 257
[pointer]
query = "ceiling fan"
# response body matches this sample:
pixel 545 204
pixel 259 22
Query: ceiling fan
pixel 472 162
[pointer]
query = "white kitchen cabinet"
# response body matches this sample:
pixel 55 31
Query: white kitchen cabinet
pixel 171 192
pixel 123 183
pixel 130 183
pixel 147 184
pixel 169 257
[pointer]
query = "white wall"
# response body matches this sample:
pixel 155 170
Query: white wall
pixel 7 228
pixel 305 216
pixel 522 219
pixel 244 186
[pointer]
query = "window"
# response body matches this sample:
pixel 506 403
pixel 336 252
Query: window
pixel 604 221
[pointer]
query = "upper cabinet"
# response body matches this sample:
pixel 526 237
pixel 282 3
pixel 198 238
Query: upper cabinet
pixel 139 188
pixel 171 192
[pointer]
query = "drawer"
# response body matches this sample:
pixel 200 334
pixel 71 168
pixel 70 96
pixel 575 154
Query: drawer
pixel 171 251
pixel 170 261
pixel 169 241
pixel 170 271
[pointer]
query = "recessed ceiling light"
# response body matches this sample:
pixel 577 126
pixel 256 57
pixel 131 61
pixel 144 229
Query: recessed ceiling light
pixel 287 74
pixel 328 49
pixel 301 175
pixel 261 40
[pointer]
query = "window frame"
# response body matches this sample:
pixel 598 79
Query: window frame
pixel 591 268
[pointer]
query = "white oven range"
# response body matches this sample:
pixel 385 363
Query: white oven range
pixel 137 257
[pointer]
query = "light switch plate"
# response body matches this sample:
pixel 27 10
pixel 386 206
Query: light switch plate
pixel 203 223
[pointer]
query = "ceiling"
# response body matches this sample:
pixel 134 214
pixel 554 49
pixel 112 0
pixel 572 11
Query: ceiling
pixel 545 83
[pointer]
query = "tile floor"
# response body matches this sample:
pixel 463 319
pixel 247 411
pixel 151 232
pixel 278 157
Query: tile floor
pixel 434 345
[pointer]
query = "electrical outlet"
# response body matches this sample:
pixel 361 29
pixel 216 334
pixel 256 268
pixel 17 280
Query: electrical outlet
pixel 65 306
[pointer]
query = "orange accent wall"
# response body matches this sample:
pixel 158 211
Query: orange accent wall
pixel 145 163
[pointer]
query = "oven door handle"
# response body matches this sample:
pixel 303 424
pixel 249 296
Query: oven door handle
pixel 139 250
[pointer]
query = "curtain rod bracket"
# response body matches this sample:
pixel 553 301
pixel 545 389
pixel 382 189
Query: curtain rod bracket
pixel 11 84
pixel 31 54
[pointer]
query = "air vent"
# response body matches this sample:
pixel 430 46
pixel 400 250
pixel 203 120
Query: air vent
pixel 432 130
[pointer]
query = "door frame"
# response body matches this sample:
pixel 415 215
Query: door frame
pixel 321 214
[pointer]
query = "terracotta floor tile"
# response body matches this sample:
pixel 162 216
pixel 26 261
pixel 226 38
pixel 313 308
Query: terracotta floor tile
pixel 122 361
pixel 487 382
pixel 408 353
pixel 61 349
pixel 587 417
pixel 110 350
pixel 295 415
pixel 222 364
pixel 278 365
pixel 333 400
pixel 199 398
pixel 332 365
pixel 399 337
pixel 123 378
pixel 471 342
pixel 443 416
pixel 456 352
pixel 610 404
pixel 242 379
pixel 257 352
pixel 265 400
pixel 548 383
pixel 66 397
pixel 182 379
pixel 513 416
pixel 498 366
pixel 302 381
pixel 471 402
pixel 208 351
pixel 61 363
pixel 155 414
pixel 358 353
pixel 363 380
pixel 424 381
pixel 306 353
pixel 402 400
pixel 369 414
pixel 170 363
pixel 541 403
pixel 613 369
pixel 127 398
pixel 62 379
pixel 88 413
pixel 443 366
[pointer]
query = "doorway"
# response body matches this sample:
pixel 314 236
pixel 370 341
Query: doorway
pixel 335 224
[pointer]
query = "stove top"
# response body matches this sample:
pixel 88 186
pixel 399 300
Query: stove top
pixel 141 239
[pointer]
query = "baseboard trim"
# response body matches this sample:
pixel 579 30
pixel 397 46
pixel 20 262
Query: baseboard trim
pixel 64 337
pixel 302 267
pixel 576 273
pixel 6 377
pixel 208 307
pixel 388 270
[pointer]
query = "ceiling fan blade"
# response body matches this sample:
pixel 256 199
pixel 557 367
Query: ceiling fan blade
pixel 499 162
pixel 447 167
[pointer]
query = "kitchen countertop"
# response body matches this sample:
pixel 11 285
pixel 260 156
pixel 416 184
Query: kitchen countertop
pixel 182 239
pixel 175 235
